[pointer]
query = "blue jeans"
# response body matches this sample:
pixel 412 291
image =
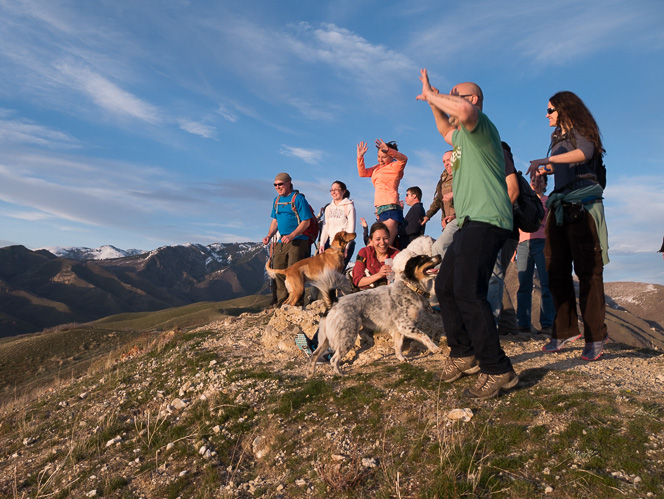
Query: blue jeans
pixel 445 239
pixel 497 282
pixel 461 288
pixel 530 254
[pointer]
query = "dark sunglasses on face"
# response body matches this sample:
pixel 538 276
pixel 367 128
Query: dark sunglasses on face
pixel 279 184
pixel 550 110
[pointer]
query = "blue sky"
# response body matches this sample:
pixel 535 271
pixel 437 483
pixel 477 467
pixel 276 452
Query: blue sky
pixel 143 124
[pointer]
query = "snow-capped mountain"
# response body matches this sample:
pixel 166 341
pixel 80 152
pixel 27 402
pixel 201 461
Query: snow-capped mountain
pixel 105 252
pixel 52 286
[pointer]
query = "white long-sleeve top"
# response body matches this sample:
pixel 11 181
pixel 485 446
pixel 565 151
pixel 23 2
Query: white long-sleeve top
pixel 338 217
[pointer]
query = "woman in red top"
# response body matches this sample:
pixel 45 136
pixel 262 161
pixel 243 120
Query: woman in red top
pixel 371 259
pixel 385 177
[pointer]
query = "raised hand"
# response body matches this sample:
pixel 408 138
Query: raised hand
pixel 426 86
pixel 362 148
pixel 540 167
pixel 381 145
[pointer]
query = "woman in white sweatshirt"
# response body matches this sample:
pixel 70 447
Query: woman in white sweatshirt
pixel 339 215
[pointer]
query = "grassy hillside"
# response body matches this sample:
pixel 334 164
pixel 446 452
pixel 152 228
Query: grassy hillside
pixel 30 361
pixel 210 413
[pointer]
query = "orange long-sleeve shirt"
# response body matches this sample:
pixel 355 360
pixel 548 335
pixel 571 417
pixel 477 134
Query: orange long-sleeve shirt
pixel 385 178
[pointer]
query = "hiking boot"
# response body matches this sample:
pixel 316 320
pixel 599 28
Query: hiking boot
pixel 455 367
pixel 303 343
pixel 593 350
pixel 546 330
pixel 488 385
pixel 555 344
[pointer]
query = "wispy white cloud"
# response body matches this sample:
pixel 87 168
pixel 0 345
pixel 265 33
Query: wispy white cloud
pixel 346 51
pixel 635 209
pixel 310 156
pixel 108 95
pixel 205 131
pixel 550 34
pixel 227 114
pixel 21 131
pixel 30 216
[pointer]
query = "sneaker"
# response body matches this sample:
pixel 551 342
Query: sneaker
pixel 555 344
pixel 594 349
pixel 488 385
pixel 303 343
pixel 455 367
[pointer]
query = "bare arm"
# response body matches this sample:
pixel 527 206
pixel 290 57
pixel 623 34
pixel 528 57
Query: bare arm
pixel 512 187
pixel 448 105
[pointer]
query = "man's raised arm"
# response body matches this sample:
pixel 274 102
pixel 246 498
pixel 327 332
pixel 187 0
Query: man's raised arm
pixel 444 106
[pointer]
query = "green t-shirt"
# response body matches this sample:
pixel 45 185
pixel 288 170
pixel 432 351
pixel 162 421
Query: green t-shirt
pixel 480 190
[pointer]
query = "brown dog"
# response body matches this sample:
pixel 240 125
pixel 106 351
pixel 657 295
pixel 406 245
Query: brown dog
pixel 313 267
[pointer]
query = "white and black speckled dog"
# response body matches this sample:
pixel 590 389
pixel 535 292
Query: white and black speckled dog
pixel 394 308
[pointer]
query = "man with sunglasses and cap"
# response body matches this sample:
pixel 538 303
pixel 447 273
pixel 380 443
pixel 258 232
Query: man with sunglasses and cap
pixel 293 245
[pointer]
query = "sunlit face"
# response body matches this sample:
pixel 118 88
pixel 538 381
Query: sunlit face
pixel 552 114
pixel 447 161
pixel 380 240
pixel 411 199
pixel 336 192
pixel 383 158
pixel 283 188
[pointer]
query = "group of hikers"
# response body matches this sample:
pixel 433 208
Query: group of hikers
pixel 477 195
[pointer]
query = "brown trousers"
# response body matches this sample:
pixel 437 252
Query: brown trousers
pixel 576 243
pixel 285 255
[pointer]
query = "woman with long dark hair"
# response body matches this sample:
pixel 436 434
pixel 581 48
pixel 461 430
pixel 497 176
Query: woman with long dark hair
pixel 373 266
pixel 576 232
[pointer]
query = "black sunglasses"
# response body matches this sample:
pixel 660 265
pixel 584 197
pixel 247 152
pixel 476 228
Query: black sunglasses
pixel 279 184
pixel 550 110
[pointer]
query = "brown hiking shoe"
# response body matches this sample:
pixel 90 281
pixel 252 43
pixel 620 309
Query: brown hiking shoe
pixel 455 367
pixel 488 385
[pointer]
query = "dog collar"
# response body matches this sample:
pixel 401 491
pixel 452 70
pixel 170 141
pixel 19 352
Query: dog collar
pixel 420 292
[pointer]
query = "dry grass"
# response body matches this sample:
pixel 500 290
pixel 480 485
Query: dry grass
pixel 381 431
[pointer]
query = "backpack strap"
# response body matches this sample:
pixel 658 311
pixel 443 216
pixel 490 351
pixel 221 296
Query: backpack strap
pixel 292 204
pixel 297 215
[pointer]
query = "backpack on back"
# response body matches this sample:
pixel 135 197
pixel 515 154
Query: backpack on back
pixel 314 227
pixel 528 209
pixel 600 170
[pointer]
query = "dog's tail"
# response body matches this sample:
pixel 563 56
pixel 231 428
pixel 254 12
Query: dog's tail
pixel 328 283
pixel 272 272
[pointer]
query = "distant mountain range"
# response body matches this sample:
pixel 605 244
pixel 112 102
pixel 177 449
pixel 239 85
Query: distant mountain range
pixel 102 253
pixel 45 288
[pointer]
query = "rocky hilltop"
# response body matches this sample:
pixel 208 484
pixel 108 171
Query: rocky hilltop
pixel 225 410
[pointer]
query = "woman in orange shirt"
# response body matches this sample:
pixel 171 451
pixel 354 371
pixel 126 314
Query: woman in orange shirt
pixel 385 177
